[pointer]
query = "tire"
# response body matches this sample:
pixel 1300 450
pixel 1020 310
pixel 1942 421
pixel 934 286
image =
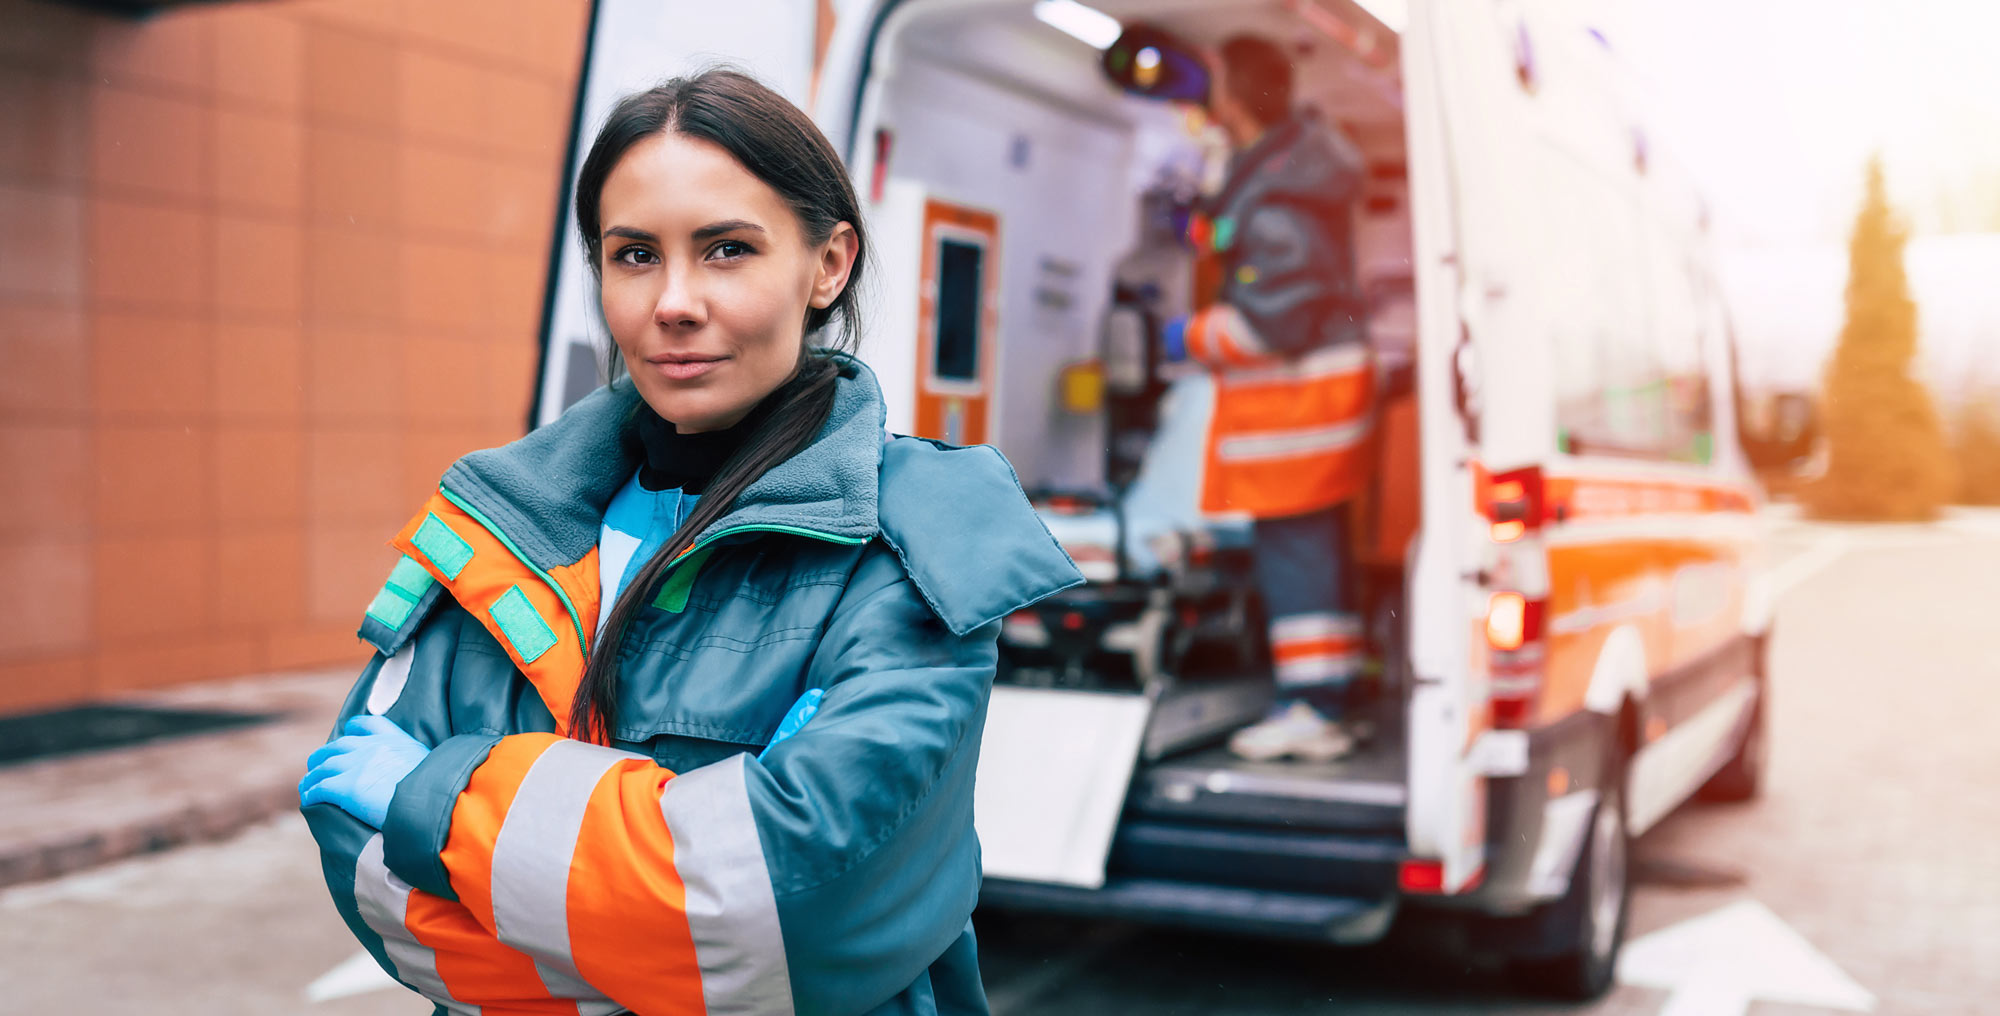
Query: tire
pixel 1742 777
pixel 1585 929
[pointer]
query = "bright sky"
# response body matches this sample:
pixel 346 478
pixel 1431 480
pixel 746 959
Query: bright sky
pixel 1775 104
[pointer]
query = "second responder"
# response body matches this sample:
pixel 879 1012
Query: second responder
pixel 1281 326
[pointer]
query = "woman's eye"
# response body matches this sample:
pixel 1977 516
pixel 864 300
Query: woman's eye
pixel 634 255
pixel 729 250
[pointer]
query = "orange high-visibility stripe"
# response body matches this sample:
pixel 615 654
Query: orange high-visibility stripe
pixel 1327 645
pixel 477 968
pixel 581 582
pixel 624 893
pixel 479 814
pixel 494 570
pixel 1290 485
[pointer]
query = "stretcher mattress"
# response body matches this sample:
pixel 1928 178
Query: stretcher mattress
pixel 1164 520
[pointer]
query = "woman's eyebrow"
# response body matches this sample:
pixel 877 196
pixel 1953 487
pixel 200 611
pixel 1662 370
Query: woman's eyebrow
pixel 632 234
pixel 715 229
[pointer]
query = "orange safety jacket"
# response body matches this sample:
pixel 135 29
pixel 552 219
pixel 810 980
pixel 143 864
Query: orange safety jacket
pixel 1279 327
pixel 1289 435
pixel 682 867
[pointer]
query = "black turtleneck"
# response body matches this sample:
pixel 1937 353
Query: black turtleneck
pixel 689 461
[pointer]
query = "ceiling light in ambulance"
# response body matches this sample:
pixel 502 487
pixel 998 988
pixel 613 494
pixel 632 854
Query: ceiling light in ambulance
pixel 1146 67
pixel 1088 24
pixel 1393 14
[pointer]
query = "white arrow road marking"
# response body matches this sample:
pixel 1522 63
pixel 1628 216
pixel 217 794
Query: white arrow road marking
pixel 358 974
pixel 1718 963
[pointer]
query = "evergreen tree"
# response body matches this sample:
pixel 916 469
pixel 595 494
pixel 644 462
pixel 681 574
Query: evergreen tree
pixel 1886 454
pixel 1977 448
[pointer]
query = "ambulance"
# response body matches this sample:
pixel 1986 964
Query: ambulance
pixel 1558 555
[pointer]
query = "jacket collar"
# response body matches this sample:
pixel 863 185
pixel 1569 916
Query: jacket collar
pixel 548 491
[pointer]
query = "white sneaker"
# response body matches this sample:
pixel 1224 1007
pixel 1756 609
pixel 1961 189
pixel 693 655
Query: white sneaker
pixel 1299 730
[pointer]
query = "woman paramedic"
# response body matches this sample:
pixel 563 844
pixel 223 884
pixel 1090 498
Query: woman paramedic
pixel 578 775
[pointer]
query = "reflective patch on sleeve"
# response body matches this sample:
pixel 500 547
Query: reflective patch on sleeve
pixel 390 608
pixel 390 678
pixel 408 582
pixel 445 548
pixel 383 900
pixel 532 858
pixel 731 909
pixel 522 624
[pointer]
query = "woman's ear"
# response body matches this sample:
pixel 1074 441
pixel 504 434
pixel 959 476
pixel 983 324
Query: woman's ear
pixel 836 260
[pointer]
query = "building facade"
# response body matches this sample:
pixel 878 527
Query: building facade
pixel 266 268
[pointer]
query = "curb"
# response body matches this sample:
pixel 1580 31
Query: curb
pixel 66 814
pixel 195 822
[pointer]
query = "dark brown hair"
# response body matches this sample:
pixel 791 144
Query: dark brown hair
pixel 1259 76
pixel 781 146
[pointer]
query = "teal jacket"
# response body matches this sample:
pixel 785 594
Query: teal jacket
pixel 673 870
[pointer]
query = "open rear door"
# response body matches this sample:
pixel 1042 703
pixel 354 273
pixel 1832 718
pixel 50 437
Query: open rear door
pixel 1447 57
pixel 634 44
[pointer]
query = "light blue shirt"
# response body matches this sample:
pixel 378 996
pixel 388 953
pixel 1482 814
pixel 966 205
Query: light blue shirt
pixel 636 525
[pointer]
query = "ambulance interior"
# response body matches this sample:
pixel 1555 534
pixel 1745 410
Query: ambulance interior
pixel 986 106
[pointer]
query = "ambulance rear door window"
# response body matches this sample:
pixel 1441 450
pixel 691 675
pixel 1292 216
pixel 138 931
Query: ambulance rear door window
pixel 960 270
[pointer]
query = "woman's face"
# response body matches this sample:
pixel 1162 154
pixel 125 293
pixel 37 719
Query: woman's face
pixel 707 277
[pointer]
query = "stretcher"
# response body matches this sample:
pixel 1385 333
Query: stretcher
pixel 1169 609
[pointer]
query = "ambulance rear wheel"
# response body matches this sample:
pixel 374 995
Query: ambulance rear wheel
pixel 1586 927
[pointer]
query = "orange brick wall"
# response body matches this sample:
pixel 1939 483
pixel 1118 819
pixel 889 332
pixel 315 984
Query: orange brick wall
pixel 266 268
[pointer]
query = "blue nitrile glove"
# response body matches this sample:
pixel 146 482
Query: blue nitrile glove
pixel 802 710
pixel 1173 340
pixel 358 771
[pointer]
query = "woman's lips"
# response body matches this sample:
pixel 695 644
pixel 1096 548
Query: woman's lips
pixel 679 369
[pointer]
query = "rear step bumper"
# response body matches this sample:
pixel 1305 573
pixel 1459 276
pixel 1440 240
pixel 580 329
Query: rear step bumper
pixel 1265 912
pixel 1276 860
pixel 1283 883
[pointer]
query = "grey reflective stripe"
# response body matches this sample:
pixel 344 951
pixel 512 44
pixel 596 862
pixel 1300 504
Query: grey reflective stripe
pixel 731 910
pixel 1291 443
pixel 384 902
pixel 1316 669
pixel 1318 625
pixel 531 859
pixel 1318 365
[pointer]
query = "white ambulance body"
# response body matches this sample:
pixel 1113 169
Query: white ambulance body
pixel 1562 546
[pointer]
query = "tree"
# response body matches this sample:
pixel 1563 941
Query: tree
pixel 1886 453
pixel 1977 448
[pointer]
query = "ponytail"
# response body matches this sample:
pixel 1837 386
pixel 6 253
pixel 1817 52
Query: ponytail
pixel 802 407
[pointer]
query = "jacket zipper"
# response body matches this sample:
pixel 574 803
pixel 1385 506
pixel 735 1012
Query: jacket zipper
pixel 575 617
pixel 848 541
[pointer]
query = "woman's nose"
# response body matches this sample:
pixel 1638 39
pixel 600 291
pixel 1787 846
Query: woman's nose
pixel 679 304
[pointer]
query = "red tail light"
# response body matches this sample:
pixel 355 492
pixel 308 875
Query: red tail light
pixel 1513 504
pixel 1514 508
pixel 1514 634
pixel 1513 622
pixel 1421 875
